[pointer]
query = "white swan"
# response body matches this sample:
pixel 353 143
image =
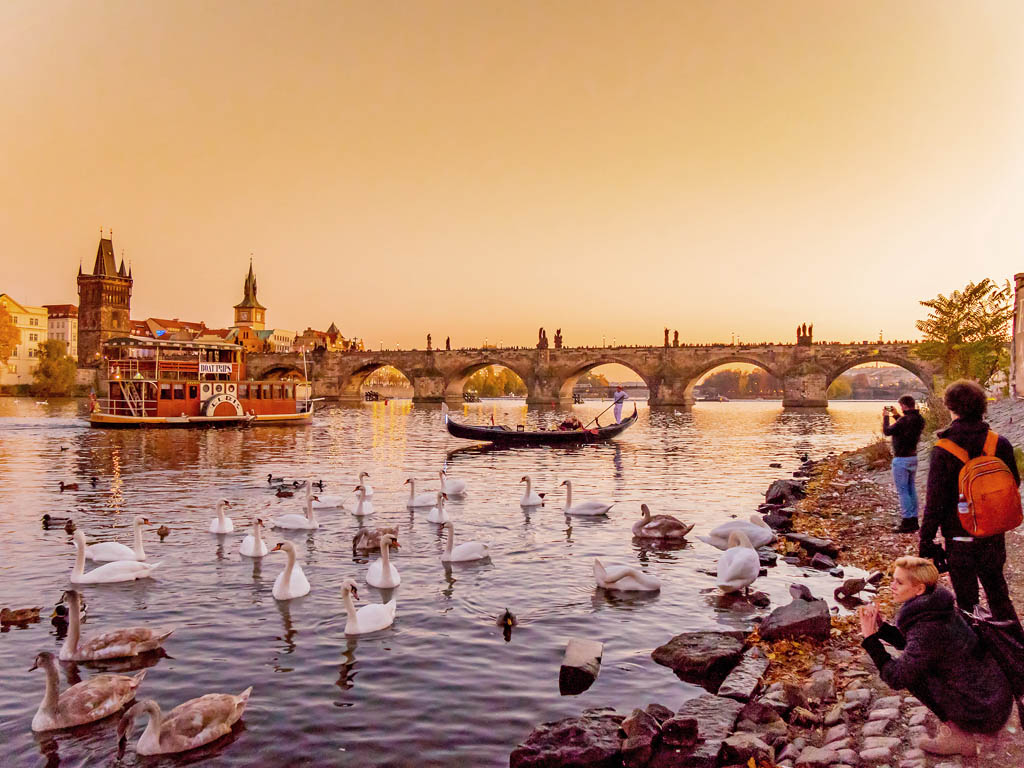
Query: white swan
pixel 321 501
pixel 253 545
pixel 418 499
pixel 624 578
pixel 295 521
pixel 291 582
pixel 451 485
pixel 189 725
pixel 86 702
pixel 108 573
pixel 659 526
pixel 466 551
pixel 529 499
pixel 221 523
pixel 757 531
pixel 364 507
pixel 438 514
pixel 112 644
pixel 108 551
pixel 369 618
pixel 587 508
pixel 382 574
pixel 739 565
pixel 366 485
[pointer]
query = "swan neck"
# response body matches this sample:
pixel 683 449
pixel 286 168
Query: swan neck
pixel 385 557
pixel 350 607
pixel 52 695
pixel 568 494
pixel 529 485
pixel 74 625
pixel 412 489
pixel 310 514
pixel 79 559
pixel 220 511
pixel 156 721
pixel 140 553
pixel 258 535
pixel 289 567
pixel 450 543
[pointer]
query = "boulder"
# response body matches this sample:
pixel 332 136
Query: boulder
pixel 743 681
pixel 778 522
pixel 660 712
pixel 822 687
pixel 822 562
pixel 815 757
pixel 715 717
pixel 592 739
pixel 798 619
pixel 580 666
pixel 742 747
pixel 642 732
pixel 784 492
pixel 760 599
pixel 768 556
pixel 680 731
pixel 701 657
pixel 812 544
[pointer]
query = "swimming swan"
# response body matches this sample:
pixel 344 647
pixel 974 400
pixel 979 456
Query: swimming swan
pixel 418 499
pixel 295 521
pixel 108 573
pixel 659 526
pixel 466 552
pixel 222 523
pixel 452 486
pixel 439 514
pixel 253 545
pixel 587 508
pixel 108 551
pixel 529 499
pixel 624 578
pixel 382 574
pixel 366 485
pixel 369 618
pixel 368 539
pixel 86 702
pixel 739 565
pixel 189 725
pixel 757 531
pixel 112 644
pixel 291 582
pixel 364 507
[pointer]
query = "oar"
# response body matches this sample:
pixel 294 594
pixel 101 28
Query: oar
pixel 602 413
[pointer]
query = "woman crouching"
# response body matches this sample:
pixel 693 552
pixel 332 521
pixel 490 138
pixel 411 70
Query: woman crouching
pixel 942 664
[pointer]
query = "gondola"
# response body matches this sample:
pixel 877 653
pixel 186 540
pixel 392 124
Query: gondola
pixel 502 435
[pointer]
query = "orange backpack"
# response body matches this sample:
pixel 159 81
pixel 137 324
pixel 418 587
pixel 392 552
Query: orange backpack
pixel 993 500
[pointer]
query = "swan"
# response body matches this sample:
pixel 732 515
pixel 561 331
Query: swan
pixel 588 508
pixel 187 726
pixel 382 574
pixel 438 514
pixel 466 551
pixel 659 526
pixel 320 501
pixel 364 507
pixel 113 644
pixel 757 531
pixel 86 702
pixel 222 523
pixel 369 618
pixel 452 486
pixel 291 582
pixel 253 545
pixel 108 573
pixel 624 578
pixel 739 565
pixel 418 499
pixel 108 551
pixel 529 499
pixel 295 521
pixel 366 485
pixel 367 540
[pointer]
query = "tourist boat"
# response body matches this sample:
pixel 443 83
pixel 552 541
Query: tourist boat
pixel 164 383
pixel 502 435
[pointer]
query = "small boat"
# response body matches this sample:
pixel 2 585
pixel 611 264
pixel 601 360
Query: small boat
pixel 502 435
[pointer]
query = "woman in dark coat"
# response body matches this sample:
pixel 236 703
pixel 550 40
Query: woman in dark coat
pixel 942 663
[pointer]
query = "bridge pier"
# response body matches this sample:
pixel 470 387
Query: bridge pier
pixel 428 389
pixel 806 390
pixel 545 392
pixel 670 392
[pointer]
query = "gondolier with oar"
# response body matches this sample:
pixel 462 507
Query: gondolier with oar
pixel 619 398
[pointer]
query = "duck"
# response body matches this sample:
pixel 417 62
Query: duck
pixel 112 644
pixel 418 499
pixel 452 486
pixel 68 486
pixel 50 521
pixel 253 545
pixel 94 481
pixel 366 485
pixel 295 521
pixel 291 582
pixel 382 574
pixel 59 617
pixel 19 615
pixel 507 619
pixel 466 552
pixel 363 507
pixel 530 499
pixel 108 573
pixel 757 531
pixel 108 551
pixel 367 539
pixel 85 702
pixel 659 526
pixel 369 618
pixel 189 725
pixel 162 531
pixel 739 565
pixel 585 508
pixel 624 578
pixel 319 484
pixel 222 523
pixel 439 514
pixel 283 494
pixel 271 480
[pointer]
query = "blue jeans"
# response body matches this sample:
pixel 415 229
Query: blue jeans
pixel 904 468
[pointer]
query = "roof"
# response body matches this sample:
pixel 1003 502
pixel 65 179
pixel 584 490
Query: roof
pixel 249 298
pixel 334 330
pixel 62 310
pixel 142 341
pixel 176 324
pixel 105 258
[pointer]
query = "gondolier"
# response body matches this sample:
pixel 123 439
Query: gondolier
pixel 619 398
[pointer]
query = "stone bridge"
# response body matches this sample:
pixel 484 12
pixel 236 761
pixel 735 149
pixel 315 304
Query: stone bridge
pixel 805 370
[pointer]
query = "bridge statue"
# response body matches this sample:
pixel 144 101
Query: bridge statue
pixel 448 343
pixel 666 337
pixel 558 338
pixel 675 339
pixel 428 343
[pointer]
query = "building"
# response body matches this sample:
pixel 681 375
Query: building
pixel 1017 341
pixel 249 313
pixel 178 330
pixel 62 323
pixel 104 304
pixel 32 327
pixel 278 339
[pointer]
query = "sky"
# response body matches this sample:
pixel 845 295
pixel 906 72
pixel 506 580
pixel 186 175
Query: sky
pixel 479 169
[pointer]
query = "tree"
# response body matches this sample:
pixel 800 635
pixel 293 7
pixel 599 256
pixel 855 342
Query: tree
pixel 10 336
pixel 967 332
pixel 55 373
pixel 839 389
pixel 495 381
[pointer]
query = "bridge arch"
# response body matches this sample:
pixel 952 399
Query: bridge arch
pixel 455 382
pixel 281 372
pixel 694 377
pixel 350 386
pixel 569 380
pixel 922 372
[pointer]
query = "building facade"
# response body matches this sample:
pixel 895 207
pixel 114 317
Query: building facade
pixel 104 304
pixel 32 328
pixel 62 323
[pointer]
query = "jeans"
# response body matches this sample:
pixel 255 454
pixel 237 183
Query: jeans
pixel 904 468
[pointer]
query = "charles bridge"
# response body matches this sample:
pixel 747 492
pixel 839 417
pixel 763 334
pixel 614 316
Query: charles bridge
pixel 805 369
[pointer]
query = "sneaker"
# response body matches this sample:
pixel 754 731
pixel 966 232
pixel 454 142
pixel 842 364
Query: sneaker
pixel 950 740
pixel 907 525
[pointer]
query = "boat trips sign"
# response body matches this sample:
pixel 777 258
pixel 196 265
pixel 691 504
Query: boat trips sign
pixel 215 367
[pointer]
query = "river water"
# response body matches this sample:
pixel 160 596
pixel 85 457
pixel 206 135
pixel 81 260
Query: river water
pixel 441 686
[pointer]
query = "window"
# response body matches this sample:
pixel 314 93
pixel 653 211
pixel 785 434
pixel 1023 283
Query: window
pixel 277 392
pixel 287 391
pixel 266 391
pixel 243 391
pixel 193 391
pixel 179 391
pixel 256 391
pixel 165 391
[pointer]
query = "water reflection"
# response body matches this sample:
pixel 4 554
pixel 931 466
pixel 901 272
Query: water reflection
pixel 288 637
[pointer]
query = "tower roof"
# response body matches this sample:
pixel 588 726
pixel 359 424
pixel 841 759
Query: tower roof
pixel 249 298
pixel 333 330
pixel 105 258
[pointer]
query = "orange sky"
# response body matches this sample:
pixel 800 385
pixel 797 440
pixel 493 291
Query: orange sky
pixel 479 169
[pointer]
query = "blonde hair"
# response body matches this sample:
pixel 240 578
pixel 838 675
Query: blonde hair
pixel 919 569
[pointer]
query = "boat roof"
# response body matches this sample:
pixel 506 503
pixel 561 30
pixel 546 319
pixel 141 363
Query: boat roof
pixel 145 341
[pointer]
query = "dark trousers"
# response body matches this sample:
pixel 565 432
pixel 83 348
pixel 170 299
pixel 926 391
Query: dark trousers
pixel 981 560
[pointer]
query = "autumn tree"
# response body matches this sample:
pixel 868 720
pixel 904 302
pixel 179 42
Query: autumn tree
pixel 10 336
pixel 55 373
pixel 495 381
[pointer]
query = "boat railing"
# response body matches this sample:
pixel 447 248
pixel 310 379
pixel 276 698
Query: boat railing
pixel 116 406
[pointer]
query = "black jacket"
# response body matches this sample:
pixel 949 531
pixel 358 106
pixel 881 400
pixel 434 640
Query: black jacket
pixel 944 477
pixel 943 663
pixel 905 432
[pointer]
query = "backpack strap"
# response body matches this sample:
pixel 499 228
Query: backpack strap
pixel 950 447
pixel 990 444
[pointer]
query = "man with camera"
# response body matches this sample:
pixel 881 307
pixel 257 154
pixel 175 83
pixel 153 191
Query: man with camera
pixel 905 432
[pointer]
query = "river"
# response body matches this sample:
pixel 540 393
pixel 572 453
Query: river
pixel 441 686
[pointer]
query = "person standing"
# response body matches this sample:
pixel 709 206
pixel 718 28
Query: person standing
pixel 971 559
pixel 905 432
pixel 619 398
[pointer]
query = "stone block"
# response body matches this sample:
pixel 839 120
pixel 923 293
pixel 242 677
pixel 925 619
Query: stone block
pixel 592 739
pixel 580 666
pixel 837 732
pixel 816 757
pixel 742 747
pixel 716 718
pixel 798 619
pixel 743 681
pixel 876 727
pixel 704 658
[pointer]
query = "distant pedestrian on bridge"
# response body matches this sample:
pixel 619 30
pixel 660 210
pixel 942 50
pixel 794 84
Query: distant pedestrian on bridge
pixel 905 432
pixel 619 398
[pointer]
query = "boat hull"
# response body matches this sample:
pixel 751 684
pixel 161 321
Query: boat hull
pixel 508 437
pixel 113 421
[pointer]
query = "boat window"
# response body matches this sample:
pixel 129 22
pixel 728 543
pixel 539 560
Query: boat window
pixel 287 391
pixel 256 391
pixel 266 391
pixel 179 391
pixel 243 391
pixel 165 391
pixel 277 392
pixel 193 391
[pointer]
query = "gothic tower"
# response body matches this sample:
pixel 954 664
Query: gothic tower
pixel 249 312
pixel 104 304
